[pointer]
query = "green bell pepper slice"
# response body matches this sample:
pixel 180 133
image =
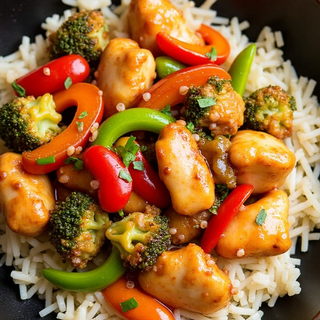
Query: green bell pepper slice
pixel 94 280
pixel 130 120
pixel 240 68
pixel 166 65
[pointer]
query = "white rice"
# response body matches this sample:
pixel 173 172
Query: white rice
pixel 258 280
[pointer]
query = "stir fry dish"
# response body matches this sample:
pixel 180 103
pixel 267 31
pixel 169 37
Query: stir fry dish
pixel 146 154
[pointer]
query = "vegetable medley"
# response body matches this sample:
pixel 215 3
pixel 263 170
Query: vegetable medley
pixel 147 149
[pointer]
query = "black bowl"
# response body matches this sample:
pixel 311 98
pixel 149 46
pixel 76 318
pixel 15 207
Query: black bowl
pixel 299 20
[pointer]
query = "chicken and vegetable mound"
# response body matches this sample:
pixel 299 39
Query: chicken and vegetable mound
pixel 199 174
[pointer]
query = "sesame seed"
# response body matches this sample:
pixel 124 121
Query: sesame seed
pixel 46 71
pixel 240 253
pixel 71 150
pixel 64 178
pixel 120 107
pixel 94 184
pixel 146 96
pixel 130 284
pixel 78 150
pixel 203 224
pixel 182 122
pixel 183 90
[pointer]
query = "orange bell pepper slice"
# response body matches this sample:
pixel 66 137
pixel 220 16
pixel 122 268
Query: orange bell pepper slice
pixel 167 90
pixel 147 306
pixel 192 54
pixel 90 106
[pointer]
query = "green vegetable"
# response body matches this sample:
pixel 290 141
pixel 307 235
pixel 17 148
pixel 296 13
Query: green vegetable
pixel 201 100
pixel 221 192
pixel 77 163
pixel 166 65
pixel 27 123
pixel 44 161
pixel 270 109
pixel 95 280
pixel 85 33
pixel 77 228
pixel 240 68
pixel 129 304
pixel 261 217
pixel 19 89
pixel 125 176
pixel 212 55
pixel 140 238
pixel 68 83
pixel 130 120
pixel 128 152
pixel 138 165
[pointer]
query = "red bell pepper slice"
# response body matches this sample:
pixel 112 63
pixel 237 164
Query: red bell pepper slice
pixel 107 168
pixel 148 184
pixel 51 77
pixel 166 91
pixel 193 54
pixel 145 180
pixel 226 212
pixel 89 100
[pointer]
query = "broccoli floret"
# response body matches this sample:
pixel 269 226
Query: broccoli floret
pixel 84 33
pixel 140 238
pixel 26 123
pixel 199 100
pixel 77 228
pixel 214 106
pixel 221 192
pixel 270 109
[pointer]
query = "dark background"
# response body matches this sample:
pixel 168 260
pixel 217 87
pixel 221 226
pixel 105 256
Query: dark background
pixel 299 20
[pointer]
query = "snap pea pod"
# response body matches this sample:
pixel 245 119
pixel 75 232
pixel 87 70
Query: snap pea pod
pixel 101 277
pixel 130 120
pixel 166 65
pixel 240 68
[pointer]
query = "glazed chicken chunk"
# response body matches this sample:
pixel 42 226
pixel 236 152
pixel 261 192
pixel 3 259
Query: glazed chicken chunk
pixel 125 72
pixel 261 229
pixel 25 198
pixel 148 17
pixel 188 278
pixel 183 228
pixel 183 170
pixel 260 160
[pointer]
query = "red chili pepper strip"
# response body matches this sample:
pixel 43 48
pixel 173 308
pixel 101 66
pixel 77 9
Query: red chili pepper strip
pixel 51 77
pixel 193 54
pixel 228 209
pixel 146 181
pixel 148 184
pixel 147 307
pixel 106 167
pixel 167 90
pixel 88 99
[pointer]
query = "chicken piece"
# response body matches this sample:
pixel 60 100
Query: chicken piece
pixel 148 17
pixel 125 72
pixel 183 170
pixel 260 159
pixel 135 204
pixel 25 198
pixel 184 229
pixel 216 153
pixel 244 237
pixel 188 278
pixel 76 180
